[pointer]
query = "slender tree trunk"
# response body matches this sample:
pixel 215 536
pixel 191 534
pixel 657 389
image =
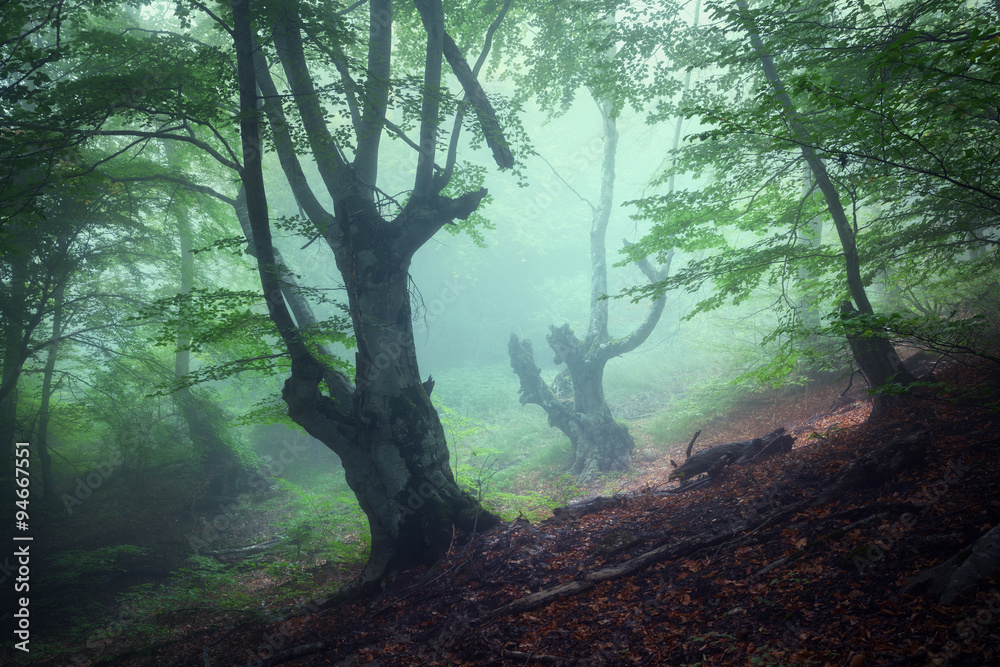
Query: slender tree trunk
pixel 808 239
pixel 383 427
pixel 13 358
pixel 44 412
pixel 223 469
pixel 600 443
pixel 873 352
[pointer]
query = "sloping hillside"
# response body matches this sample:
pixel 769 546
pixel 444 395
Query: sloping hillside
pixel 802 559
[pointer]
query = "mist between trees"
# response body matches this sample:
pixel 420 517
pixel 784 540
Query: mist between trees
pixel 507 251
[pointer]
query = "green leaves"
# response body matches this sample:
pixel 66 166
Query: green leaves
pixel 896 102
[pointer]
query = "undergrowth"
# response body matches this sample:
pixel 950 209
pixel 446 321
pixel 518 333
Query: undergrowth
pixel 502 452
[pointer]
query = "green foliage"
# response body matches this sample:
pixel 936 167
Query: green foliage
pixel 325 520
pixel 469 177
pixel 565 489
pixel 706 399
pixel 202 583
pixel 222 320
pixel 899 123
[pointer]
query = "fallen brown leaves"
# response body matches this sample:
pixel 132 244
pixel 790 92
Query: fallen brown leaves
pixel 744 572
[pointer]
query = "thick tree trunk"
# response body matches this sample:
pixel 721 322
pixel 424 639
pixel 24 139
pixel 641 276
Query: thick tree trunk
pixel 600 444
pixel 878 360
pixel 383 426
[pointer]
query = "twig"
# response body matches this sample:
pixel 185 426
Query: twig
pixel 691 444
pixel 532 657
pixel 668 551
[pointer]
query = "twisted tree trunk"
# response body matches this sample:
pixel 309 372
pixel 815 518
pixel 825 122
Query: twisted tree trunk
pixel 383 425
pixel 600 443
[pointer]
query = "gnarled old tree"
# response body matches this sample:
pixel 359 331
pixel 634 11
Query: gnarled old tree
pixel 383 425
pixel 600 443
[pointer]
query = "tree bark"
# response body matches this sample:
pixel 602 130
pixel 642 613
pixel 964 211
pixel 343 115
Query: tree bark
pixel 382 426
pixel 225 472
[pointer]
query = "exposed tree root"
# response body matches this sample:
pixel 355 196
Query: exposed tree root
pixel 878 466
pixel 963 571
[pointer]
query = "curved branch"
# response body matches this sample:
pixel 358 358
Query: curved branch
pixel 322 219
pixel 167 134
pixel 424 216
pixel 333 169
pixel 339 60
pixel 642 332
pixel 187 184
pixel 535 390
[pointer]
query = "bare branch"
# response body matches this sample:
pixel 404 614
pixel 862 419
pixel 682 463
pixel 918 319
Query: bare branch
pixel 492 131
pixel 194 187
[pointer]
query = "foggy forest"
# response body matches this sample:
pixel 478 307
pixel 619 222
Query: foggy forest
pixel 491 332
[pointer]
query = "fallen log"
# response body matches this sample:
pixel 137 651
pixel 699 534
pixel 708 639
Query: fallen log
pixel 714 459
pixel 589 506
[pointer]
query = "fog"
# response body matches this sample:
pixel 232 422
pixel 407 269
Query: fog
pixel 254 297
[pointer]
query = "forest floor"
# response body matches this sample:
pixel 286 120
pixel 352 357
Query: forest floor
pixel 764 566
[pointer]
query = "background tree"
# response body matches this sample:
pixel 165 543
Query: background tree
pixel 600 443
pixel 48 277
